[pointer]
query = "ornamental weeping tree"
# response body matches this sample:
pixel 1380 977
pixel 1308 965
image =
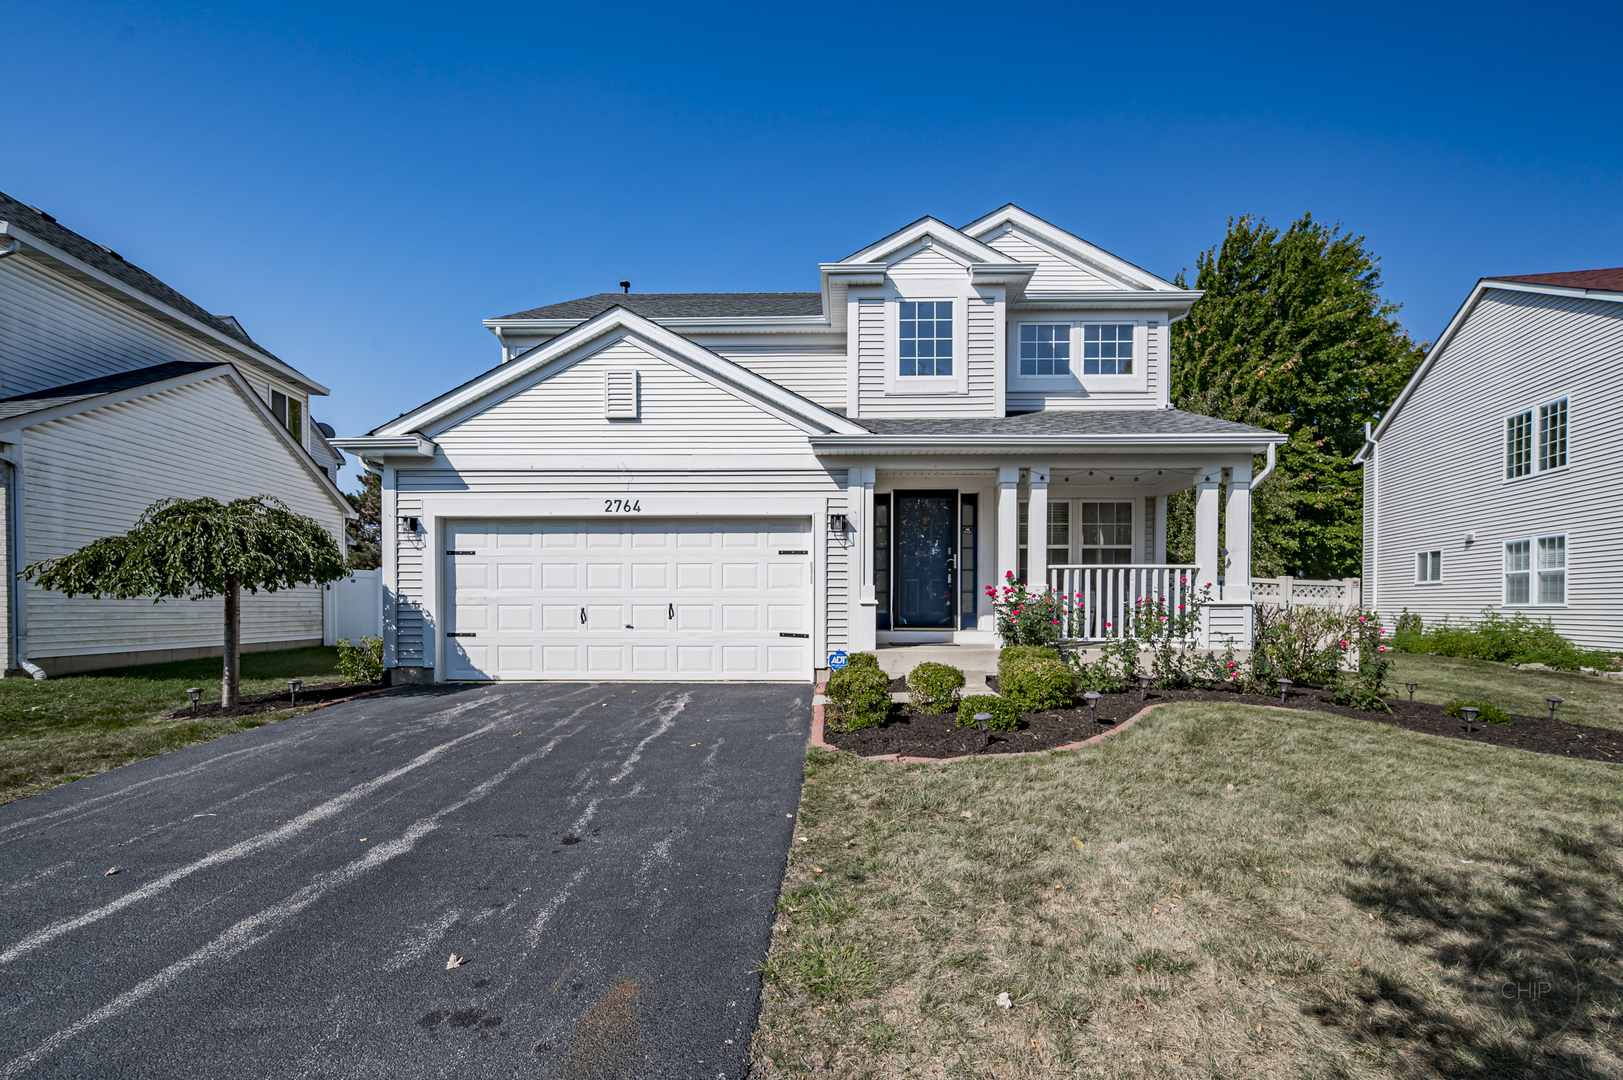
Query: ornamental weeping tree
pixel 201 548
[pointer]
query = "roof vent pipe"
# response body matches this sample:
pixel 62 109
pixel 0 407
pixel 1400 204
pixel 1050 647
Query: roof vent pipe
pixel 625 286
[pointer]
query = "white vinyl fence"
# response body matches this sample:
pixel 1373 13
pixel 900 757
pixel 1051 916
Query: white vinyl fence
pixel 1347 592
pixel 352 607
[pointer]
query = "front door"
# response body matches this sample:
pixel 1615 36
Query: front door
pixel 924 559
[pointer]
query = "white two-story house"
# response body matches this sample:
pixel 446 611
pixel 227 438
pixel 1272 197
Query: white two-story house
pixel 1491 482
pixel 742 485
pixel 117 391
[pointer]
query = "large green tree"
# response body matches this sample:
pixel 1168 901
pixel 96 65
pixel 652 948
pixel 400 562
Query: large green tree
pixel 1292 334
pixel 366 530
pixel 200 548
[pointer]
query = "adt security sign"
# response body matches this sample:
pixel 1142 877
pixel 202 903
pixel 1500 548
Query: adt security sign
pixel 836 660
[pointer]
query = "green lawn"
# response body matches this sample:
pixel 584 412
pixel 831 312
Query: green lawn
pixel 1219 891
pixel 1585 699
pixel 62 729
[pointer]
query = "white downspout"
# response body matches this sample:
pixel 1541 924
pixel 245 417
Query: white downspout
pixel 1266 470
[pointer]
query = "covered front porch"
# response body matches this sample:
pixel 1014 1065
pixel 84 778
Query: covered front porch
pixel 925 541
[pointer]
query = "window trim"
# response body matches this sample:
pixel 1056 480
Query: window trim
pixel 1534 436
pixel 1427 554
pixel 899 385
pixel 1532 540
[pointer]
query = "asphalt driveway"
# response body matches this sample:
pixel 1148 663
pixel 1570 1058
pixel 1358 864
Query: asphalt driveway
pixel 606 857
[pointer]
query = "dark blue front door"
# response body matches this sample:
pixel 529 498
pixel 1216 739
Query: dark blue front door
pixel 924 564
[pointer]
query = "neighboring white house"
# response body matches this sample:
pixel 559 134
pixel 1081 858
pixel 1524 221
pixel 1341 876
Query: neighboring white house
pixel 740 485
pixel 1492 482
pixel 116 391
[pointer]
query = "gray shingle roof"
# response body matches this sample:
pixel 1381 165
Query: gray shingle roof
pixel 741 305
pixel 107 384
pixel 113 265
pixel 1063 422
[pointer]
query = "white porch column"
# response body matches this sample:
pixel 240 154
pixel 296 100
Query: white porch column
pixel 1207 486
pixel 1160 528
pixel 1037 531
pixel 864 623
pixel 1008 523
pixel 1237 535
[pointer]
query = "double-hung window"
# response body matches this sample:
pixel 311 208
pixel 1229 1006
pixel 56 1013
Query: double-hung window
pixel 1536 571
pixel 1428 566
pixel 1045 349
pixel 1552 435
pixel 1519 445
pixel 926 337
pixel 1107 349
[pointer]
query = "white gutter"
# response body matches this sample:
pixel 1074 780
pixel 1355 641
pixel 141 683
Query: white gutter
pixel 1267 470
pixel 1038 443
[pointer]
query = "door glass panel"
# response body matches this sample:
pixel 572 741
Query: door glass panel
pixel 881 559
pixel 924 547
pixel 968 600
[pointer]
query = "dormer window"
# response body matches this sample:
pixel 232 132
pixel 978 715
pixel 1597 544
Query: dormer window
pixel 1107 349
pixel 290 411
pixel 926 337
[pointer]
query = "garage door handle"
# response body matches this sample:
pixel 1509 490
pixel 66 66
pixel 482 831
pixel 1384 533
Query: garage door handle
pixel 583 616
pixel 672 613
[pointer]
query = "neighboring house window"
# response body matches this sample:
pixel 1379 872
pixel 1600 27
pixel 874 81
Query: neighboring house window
pixel 1550 566
pixel 1045 349
pixel 926 339
pixel 290 411
pixel 1107 349
pixel 1519 445
pixel 1428 566
pixel 1552 435
pixel 1107 532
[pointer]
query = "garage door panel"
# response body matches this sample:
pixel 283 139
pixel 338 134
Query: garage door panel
pixel 662 599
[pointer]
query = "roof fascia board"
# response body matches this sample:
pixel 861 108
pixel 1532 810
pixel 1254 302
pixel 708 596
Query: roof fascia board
pixel 164 313
pixel 913 445
pixel 1066 245
pixel 1457 323
pixel 48 413
pixel 572 345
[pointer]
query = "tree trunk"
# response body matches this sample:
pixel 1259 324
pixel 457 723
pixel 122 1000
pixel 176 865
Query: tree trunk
pixel 233 641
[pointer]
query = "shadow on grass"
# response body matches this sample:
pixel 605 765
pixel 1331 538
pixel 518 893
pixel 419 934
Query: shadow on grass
pixel 1531 953
pixel 280 664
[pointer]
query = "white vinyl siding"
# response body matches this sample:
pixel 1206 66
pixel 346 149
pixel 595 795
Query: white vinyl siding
pixel 1441 465
pixel 1054 274
pixel 563 414
pixel 92 474
pixel 819 377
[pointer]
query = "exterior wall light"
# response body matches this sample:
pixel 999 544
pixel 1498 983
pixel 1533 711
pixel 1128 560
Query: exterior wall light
pixel 836 523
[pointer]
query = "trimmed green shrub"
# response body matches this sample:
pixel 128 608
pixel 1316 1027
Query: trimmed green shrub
pixel 862 659
pixel 935 687
pixel 1036 685
pixel 1005 713
pixel 1025 652
pixel 1517 640
pixel 361 662
pixel 859 697
pixel 1490 714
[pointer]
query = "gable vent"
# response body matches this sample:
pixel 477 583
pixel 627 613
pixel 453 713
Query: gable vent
pixel 620 395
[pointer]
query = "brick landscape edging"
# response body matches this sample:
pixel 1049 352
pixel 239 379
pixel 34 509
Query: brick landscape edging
pixel 818 741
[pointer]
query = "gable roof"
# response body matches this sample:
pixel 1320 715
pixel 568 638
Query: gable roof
pixel 1608 280
pixel 69 393
pixel 1591 283
pixel 1067 246
pixel 683 305
pixel 735 378
pixel 36 226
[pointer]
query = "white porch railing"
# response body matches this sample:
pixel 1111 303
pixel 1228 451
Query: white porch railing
pixel 1102 598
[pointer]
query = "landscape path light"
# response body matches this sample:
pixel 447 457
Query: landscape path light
pixel 1144 686
pixel 1284 688
pixel 1411 686
pixel 293 688
pixel 1552 702
pixel 196 694
pixel 983 720
pixel 1092 698
pixel 1470 713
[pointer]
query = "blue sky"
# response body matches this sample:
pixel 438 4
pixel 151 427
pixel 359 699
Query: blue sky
pixel 361 185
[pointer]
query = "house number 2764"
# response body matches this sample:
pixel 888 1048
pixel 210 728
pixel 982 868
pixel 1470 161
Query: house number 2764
pixel 622 506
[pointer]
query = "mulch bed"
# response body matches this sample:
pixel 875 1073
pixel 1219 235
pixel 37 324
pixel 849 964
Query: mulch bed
pixel 914 734
pixel 259 703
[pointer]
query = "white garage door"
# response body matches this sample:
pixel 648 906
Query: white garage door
pixel 623 599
